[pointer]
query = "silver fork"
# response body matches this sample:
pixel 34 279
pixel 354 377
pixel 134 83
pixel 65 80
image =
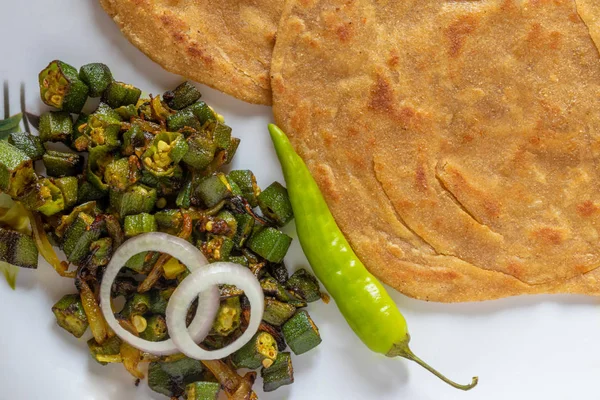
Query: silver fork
pixel 28 118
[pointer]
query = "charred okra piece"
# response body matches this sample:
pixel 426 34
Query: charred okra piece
pixel 202 391
pixel 246 181
pixel 97 77
pixel 16 170
pixel 164 153
pixel 80 141
pixel 80 235
pixel 272 287
pixel 279 374
pixel 101 251
pixel 183 119
pixel 304 284
pixel 171 378
pixel 166 184
pixel 221 134
pixel 182 96
pixel 28 144
pixel 245 224
pixel 103 127
pixel 156 329
pixel 119 94
pixel 66 221
pixel 107 352
pixel 68 185
pixel 212 189
pixel 18 249
pixel 56 126
pixel 138 304
pixel 275 204
pixel 159 300
pixel 234 143
pixel 260 350
pixel 301 333
pixel 70 315
pixel 139 223
pixel 184 197
pixel 201 151
pixel 279 272
pixel 228 317
pixel 136 199
pixel 59 164
pixel 60 87
pixel 270 244
pixel 134 141
pixel 202 111
pixel 87 192
pixel 276 312
pixel 43 196
pixel 121 174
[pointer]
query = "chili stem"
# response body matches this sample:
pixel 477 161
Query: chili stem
pixel 403 350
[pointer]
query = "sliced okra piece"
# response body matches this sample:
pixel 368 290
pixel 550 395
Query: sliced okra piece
pixel 184 197
pixel 18 249
pixel 201 151
pixel 304 284
pixel 142 263
pixel 166 184
pixel 270 243
pixel 228 317
pixel 135 200
pixel 87 192
pixel 159 300
pixel 43 196
pixel 119 94
pixel 99 158
pixel 139 223
pixel 16 170
pixel 301 333
pixel 122 173
pixel 202 391
pixel 127 112
pixel 182 96
pixel 59 164
pixel 97 77
pixel 217 248
pixel 133 139
pixel 276 312
pixel 101 251
pixel 66 221
pixel 156 329
pixel 238 260
pixel 171 378
pixel 70 315
pixel 261 350
pixel 227 291
pixel 274 203
pixel 272 287
pixel 279 374
pixel 169 219
pixel 183 119
pixel 160 112
pixel 202 111
pixel 80 141
pixel 231 222
pixel 279 272
pixel 61 87
pixel 68 185
pixel 56 126
pixel 80 235
pixel 28 144
pixel 138 304
pixel 234 143
pixel 164 153
pixel 221 134
pixel 213 189
pixel 109 351
pixel 246 181
pixel 103 127
pixel 235 189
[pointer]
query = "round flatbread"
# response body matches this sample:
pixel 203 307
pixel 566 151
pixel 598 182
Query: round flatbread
pixel 457 142
pixel 224 44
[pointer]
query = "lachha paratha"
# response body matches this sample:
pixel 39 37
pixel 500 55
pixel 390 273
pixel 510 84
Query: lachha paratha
pixel 456 141
pixel 224 44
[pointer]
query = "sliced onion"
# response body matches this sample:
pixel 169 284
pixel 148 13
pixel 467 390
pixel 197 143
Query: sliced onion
pixel 208 298
pixel 204 279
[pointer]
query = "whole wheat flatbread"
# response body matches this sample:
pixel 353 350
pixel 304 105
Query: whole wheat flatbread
pixel 224 44
pixel 455 141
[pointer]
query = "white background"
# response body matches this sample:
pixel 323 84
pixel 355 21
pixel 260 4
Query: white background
pixel 543 347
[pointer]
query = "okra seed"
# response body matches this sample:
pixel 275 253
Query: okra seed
pixel 148 161
pixel 267 362
pixel 163 146
pixel 161 203
pixel 140 323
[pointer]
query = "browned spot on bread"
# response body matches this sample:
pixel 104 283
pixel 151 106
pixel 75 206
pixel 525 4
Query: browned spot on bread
pixel 195 51
pixel 549 235
pixel 515 268
pixel 458 32
pixel 574 17
pixel 420 177
pixel 382 95
pixel 344 32
pixel 587 208
pixel 326 180
pixel 394 58
pixel 555 40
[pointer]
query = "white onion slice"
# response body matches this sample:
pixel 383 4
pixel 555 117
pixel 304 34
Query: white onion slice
pixel 203 279
pixel 208 299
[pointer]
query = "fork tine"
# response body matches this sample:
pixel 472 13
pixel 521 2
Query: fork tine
pixel 6 100
pixel 23 110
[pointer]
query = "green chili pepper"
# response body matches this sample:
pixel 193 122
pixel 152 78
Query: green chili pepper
pixel 119 94
pixel 97 76
pixel 70 315
pixel 28 144
pixel 61 87
pixel 59 164
pixel 68 185
pixel 182 96
pixel 16 170
pixel 279 374
pixel 55 126
pixel 362 300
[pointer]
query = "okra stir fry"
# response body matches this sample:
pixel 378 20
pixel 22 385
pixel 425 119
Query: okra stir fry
pixel 137 165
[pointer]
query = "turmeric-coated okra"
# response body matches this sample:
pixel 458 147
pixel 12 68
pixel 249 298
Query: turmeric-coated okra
pixel 70 315
pixel 61 87
pixel 16 170
pixel 59 164
pixel 261 350
pixel 182 96
pixel 43 196
pixel 18 249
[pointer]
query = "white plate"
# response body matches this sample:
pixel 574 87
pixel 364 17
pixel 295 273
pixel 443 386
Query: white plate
pixel 522 348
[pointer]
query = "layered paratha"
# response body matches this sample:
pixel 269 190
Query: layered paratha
pixel 224 44
pixel 456 141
